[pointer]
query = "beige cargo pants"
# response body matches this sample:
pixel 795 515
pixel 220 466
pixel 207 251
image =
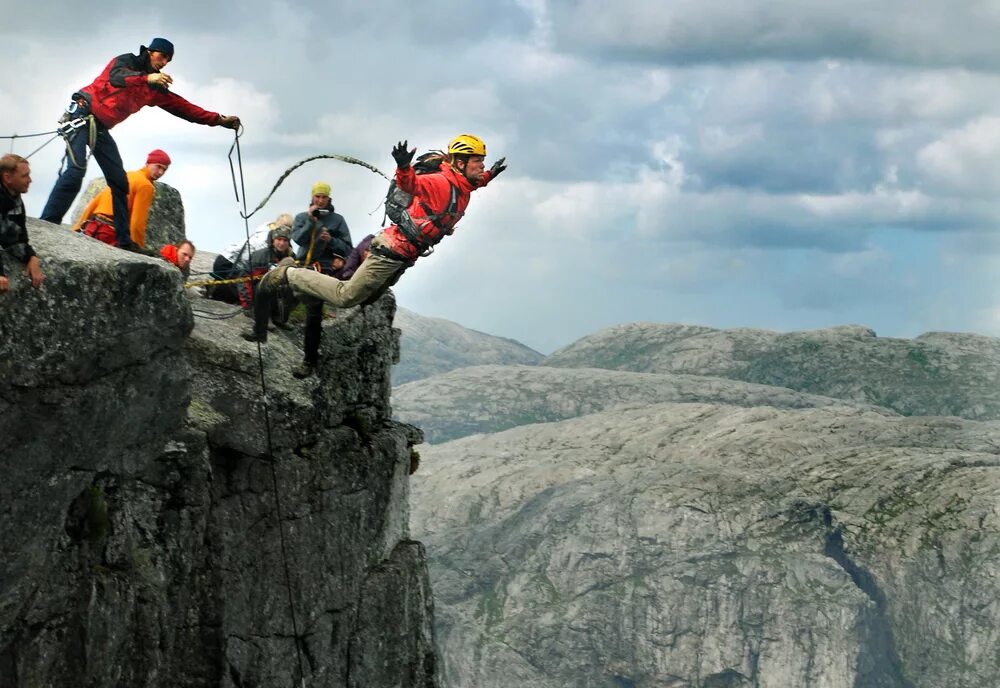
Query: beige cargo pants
pixel 375 273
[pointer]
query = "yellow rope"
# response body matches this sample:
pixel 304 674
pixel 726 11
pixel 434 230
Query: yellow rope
pixel 235 280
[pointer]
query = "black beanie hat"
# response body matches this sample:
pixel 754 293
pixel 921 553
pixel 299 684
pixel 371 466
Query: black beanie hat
pixel 161 45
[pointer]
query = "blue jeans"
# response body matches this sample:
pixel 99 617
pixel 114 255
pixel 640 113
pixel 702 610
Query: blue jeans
pixel 68 184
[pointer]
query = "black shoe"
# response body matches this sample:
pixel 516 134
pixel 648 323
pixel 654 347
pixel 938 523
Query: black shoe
pixel 277 278
pixel 284 326
pixel 304 370
pixel 136 248
pixel 252 336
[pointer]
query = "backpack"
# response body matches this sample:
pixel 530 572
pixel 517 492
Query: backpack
pixel 397 202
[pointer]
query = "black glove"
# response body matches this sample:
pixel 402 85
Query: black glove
pixel 498 167
pixel 402 156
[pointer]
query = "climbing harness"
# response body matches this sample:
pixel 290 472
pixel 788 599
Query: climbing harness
pixel 67 129
pixel 241 200
pixel 76 116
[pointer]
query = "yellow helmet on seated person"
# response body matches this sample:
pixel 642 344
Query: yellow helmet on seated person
pixel 467 144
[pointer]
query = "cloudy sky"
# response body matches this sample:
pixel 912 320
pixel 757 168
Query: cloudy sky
pixel 784 164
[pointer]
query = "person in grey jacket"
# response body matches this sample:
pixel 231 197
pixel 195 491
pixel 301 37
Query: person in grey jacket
pixel 321 233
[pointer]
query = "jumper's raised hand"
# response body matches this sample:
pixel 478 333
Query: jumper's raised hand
pixel 402 156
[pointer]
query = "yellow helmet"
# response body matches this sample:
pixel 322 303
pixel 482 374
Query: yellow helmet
pixel 467 144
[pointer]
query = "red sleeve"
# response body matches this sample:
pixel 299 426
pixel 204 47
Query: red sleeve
pixel 406 179
pixel 178 107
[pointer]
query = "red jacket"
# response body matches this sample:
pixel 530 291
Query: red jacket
pixel 431 195
pixel 122 90
pixel 169 253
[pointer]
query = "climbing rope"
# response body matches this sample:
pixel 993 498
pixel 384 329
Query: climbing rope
pixel 29 136
pixel 14 137
pixel 241 201
pixel 326 156
pixel 234 280
pixel 64 130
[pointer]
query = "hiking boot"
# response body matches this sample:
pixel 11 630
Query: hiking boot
pixel 272 281
pixel 284 326
pixel 251 336
pixel 304 370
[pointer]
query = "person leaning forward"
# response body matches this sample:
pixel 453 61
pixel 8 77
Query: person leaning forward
pixel 96 221
pixel 15 178
pixel 394 250
pixel 127 84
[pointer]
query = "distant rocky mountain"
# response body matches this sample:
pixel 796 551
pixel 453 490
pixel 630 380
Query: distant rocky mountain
pixel 663 505
pixel 709 545
pixel 430 346
pixel 937 373
pixel 483 399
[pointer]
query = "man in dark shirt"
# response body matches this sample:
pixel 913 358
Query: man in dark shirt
pixel 15 178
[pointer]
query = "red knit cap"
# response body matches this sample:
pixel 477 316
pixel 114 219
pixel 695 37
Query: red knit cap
pixel 158 157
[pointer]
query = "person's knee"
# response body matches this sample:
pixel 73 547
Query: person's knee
pixel 72 175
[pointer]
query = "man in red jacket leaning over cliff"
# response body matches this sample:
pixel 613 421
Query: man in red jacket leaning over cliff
pixel 127 83
pixel 438 203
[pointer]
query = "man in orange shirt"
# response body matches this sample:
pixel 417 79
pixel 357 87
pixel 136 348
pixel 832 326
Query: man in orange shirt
pixel 97 221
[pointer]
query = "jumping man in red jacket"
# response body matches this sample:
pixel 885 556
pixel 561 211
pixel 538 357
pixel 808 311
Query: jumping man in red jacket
pixel 128 83
pixel 439 201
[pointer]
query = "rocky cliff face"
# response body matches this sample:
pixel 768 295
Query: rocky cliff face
pixel 141 540
pixel 687 530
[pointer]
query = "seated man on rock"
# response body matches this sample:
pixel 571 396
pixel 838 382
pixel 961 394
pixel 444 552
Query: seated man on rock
pixel 234 258
pixel 97 219
pixel 261 261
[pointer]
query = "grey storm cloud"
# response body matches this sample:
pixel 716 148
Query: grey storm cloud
pixel 690 31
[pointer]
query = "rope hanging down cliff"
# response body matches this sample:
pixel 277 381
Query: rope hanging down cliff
pixel 241 202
